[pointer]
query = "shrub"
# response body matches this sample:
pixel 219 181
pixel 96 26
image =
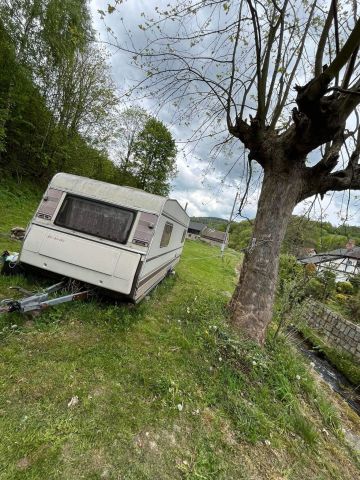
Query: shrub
pixel 315 288
pixel 289 271
pixel 353 306
pixel 327 278
pixel 355 282
pixel 341 298
pixel 291 290
pixel 344 287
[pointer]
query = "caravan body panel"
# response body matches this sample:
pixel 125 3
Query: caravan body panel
pixel 166 246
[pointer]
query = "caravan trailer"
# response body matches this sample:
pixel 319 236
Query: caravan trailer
pixel 120 239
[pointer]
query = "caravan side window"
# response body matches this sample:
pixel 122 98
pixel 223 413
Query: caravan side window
pixel 165 239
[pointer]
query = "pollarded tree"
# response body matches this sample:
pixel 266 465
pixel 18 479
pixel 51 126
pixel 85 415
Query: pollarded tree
pixel 240 61
pixel 154 161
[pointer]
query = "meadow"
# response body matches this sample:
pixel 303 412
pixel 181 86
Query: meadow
pixel 160 390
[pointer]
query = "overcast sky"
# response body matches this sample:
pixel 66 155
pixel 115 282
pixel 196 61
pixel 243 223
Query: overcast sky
pixel 207 186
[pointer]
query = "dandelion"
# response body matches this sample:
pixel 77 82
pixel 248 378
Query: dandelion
pixel 180 407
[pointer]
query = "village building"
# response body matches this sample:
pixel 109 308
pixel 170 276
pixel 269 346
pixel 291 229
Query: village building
pixel 195 229
pixel 199 231
pixel 344 262
pixel 214 237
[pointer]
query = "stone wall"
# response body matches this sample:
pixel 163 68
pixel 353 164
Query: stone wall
pixel 338 331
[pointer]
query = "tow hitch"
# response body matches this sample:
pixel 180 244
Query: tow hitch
pixel 40 300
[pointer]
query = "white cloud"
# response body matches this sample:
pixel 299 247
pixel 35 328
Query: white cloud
pixel 205 194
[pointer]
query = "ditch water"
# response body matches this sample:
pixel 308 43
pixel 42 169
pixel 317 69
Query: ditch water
pixel 329 373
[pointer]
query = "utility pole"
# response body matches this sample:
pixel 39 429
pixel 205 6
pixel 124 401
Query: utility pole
pixel 228 226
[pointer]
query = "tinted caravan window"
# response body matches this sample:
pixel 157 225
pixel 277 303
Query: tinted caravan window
pixel 165 239
pixel 95 218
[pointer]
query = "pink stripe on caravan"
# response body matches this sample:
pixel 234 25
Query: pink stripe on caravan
pixel 49 204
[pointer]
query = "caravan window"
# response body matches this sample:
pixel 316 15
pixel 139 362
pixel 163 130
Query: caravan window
pixel 165 239
pixel 95 218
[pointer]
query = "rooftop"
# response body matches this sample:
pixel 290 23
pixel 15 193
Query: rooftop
pixel 196 226
pixel 213 234
pixel 332 255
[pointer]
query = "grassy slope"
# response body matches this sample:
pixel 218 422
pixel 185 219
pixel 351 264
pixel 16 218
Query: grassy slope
pixel 165 391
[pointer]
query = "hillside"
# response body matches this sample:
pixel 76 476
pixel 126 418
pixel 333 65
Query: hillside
pixel 165 390
pixel 302 233
pixel 214 222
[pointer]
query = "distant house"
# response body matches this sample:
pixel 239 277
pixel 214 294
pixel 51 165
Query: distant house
pixel 195 229
pixel 344 262
pixel 214 237
pixel 210 235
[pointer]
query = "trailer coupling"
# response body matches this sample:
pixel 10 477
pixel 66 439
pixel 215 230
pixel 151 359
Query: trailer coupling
pixel 39 301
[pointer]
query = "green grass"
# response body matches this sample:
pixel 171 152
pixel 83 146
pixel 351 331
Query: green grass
pixel 165 389
pixel 17 205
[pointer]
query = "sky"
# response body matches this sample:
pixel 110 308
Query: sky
pixel 208 186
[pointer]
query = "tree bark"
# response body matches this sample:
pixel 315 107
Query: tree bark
pixel 252 303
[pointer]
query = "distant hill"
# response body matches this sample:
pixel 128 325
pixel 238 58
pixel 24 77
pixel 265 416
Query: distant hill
pixel 301 234
pixel 214 222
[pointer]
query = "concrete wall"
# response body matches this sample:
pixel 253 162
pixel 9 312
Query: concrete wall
pixel 338 331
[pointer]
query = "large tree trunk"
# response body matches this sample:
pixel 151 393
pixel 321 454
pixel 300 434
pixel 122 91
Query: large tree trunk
pixel 253 299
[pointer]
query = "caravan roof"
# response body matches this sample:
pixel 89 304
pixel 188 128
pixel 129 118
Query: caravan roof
pixel 115 194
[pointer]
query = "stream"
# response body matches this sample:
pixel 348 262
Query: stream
pixel 329 373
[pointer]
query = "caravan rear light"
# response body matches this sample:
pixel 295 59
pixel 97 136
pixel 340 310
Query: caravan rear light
pixel 49 204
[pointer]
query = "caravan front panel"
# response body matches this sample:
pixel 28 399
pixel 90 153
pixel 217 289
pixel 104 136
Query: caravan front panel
pixel 79 258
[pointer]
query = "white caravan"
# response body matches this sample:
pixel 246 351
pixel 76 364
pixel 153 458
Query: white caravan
pixel 120 239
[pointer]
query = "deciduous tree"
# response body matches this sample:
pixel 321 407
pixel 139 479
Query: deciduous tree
pixel 130 122
pixel 239 62
pixel 56 92
pixel 154 162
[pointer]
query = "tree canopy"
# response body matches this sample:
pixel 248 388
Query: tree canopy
pixel 154 162
pixel 59 104
pixel 56 93
pixel 144 151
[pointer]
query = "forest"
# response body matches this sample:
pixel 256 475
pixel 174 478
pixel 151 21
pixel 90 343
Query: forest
pixel 59 106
